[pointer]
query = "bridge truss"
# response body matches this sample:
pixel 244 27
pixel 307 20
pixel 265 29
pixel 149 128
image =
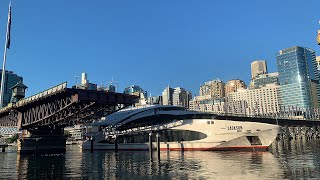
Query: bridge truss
pixel 64 107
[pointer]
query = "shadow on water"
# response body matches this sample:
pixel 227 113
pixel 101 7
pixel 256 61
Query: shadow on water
pixel 296 159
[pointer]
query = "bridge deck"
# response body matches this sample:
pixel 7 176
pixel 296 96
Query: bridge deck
pixel 63 106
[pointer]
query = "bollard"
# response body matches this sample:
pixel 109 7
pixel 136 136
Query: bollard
pixel 158 145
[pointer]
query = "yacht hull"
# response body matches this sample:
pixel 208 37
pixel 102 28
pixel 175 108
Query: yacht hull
pixel 222 135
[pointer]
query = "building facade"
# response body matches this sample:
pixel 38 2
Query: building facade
pixel 318 62
pixel 258 67
pixel 233 86
pixel 135 90
pixel 205 104
pixel 212 89
pixel 264 79
pixel 297 68
pixel 261 101
pixel 111 88
pixel 85 84
pixel 11 79
pixel 167 96
pixel 181 97
pixel 155 100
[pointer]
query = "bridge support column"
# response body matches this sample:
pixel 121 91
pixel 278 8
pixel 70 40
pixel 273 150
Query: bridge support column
pixel 42 139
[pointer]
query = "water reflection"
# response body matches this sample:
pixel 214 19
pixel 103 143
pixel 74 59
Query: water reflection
pixel 40 167
pixel 299 158
pixel 296 159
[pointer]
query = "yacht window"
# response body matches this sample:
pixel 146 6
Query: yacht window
pixel 208 122
pixel 168 135
pixel 212 122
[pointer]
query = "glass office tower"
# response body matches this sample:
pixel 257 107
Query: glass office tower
pixel 297 74
pixel 11 79
pixel 135 90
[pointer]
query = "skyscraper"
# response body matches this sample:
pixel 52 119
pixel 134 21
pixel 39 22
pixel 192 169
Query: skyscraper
pixel 298 77
pixel 135 90
pixel 167 96
pixel 181 97
pixel 176 96
pixel 257 68
pixel 11 80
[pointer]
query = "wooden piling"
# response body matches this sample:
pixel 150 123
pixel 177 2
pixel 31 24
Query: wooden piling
pixel 91 144
pixel 158 145
pixel 150 142
pixel 116 144
pixel 36 148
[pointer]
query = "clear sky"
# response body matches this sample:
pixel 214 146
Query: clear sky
pixel 151 43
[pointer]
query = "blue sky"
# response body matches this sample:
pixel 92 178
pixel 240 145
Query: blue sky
pixel 152 43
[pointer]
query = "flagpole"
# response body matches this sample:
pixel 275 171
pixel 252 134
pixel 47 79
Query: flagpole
pixel 5 59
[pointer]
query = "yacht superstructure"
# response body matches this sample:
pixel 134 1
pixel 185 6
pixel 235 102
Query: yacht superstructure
pixel 178 129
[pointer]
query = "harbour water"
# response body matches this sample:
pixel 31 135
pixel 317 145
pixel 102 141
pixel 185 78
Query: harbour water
pixel 296 159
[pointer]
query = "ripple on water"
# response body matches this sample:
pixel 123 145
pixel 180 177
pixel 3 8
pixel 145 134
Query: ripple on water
pixel 286 160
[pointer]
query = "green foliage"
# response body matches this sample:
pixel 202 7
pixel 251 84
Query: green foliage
pixel 12 139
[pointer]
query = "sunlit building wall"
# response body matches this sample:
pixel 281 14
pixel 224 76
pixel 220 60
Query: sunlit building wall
pixel 234 85
pixel 298 69
pixel 258 67
pixel 213 89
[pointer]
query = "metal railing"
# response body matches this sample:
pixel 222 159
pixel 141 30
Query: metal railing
pixel 53 90
pixel 48 92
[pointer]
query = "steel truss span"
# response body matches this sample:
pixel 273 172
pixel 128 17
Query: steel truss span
pixel 67 107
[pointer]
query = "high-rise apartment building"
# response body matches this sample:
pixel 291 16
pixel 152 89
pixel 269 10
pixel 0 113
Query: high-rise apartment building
pixel 257 68
pixel 176 96
pixel 234 85
pixel 264 100
pixel 203 104
pixel 212 89
pixel 318 62
pixel 167 96
pixel 11 79
pixel 298 77
pixel 181 97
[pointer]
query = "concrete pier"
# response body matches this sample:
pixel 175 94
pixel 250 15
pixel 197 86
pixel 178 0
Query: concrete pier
pixel 42 139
